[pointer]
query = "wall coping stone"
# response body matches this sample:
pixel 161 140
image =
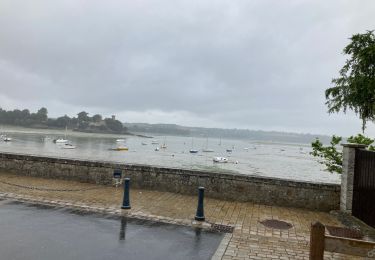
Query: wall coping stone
pixel 351 145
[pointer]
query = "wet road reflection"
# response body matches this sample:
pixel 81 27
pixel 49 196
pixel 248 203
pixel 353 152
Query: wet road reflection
pixel 41 232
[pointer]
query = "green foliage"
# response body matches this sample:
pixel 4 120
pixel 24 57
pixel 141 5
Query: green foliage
pixel 114 125
pixel 97 118
pixel 82 122
pixel 330 156
pixel 355 88
pixel 361 139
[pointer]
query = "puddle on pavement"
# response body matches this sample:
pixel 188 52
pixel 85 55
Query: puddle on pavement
pixel 33 231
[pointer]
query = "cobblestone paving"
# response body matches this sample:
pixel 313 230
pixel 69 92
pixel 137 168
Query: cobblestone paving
pixel 250 239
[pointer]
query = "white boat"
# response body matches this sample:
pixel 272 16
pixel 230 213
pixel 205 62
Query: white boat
pixel 68 146
pixel 192 150
pixel 206 149
pixel 157 149
pixel 120 140
pixel 7 139
pixel 60 141
pixel 220 160
pixel 164 145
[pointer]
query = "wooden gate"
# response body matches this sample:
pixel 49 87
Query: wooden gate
pixel 364 187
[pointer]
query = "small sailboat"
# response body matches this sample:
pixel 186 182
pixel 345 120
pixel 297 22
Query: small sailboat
pixel 61 140
pixel 6 138
pixel 164 145
pixel 192 150
pixel 230 150
pixel 157 149
pixel 206 149
pixel 220 159
pixel 68 146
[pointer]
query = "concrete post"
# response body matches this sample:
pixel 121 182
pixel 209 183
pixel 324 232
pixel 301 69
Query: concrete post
pixel 347 177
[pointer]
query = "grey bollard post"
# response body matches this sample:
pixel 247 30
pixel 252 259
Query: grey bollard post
pixel 126 200
pixel 200 209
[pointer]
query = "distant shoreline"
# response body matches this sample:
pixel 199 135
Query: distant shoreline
pixel 71 130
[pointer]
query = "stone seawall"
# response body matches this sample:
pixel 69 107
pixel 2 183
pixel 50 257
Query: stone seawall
pixel 270 191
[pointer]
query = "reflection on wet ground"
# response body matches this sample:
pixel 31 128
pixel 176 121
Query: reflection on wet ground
pixel 32 231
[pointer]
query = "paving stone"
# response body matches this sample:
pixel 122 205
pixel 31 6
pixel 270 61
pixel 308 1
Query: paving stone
pixel 250 239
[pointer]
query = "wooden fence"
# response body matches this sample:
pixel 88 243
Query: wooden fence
pixel 364 187
pixel 320 242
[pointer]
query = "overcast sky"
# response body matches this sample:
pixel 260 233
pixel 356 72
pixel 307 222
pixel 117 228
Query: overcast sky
pixel 234 64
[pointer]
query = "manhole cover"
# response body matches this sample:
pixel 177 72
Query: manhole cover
pixel 276 224
pixel 222 228
pixel 344 232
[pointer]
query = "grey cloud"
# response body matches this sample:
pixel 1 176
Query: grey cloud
pixel 234 63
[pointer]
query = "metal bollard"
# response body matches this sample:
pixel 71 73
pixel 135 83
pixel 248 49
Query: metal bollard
pixel 126 201
pixel 200 211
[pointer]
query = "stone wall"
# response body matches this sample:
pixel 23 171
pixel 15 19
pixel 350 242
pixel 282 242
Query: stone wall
pixel 237 187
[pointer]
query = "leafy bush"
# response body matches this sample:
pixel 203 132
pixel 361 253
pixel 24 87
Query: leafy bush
pixel 330 156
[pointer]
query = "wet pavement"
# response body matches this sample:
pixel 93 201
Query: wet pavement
pixel 31 231
pixel 250 238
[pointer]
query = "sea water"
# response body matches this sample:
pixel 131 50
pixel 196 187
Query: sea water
pixel 249 157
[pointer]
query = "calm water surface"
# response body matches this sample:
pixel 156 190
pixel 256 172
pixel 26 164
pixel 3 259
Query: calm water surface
pixel 282 160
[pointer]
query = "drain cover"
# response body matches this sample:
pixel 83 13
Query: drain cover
pixel 276 224
pixel 344 232
pixel 222 228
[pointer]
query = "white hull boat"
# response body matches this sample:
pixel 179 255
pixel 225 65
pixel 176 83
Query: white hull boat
pixel 220 160
pixel 60 141
pixel 6 139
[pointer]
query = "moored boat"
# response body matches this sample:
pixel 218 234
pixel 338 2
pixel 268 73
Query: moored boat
pixel 220 159
pixel 120 148
pixel 7 139
pixel 60 141
pixel 68 146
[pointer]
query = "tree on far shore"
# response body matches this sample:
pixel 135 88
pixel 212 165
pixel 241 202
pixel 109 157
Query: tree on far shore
pixel 355 88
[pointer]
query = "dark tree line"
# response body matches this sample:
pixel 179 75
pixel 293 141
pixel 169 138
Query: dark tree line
pixel 83 122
